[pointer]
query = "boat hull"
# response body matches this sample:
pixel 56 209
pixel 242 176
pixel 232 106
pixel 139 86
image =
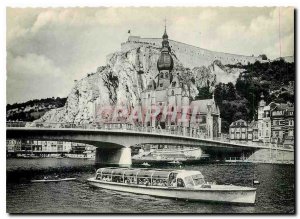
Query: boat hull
pixel 242 196
pixel 52 180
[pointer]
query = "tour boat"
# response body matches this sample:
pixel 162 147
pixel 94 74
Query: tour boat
pixel 178 184
pixel 52 180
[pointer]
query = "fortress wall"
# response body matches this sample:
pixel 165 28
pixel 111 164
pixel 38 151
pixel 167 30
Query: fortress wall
pixel 191 56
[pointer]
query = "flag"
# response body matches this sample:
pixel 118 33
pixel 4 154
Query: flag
pixel 128 31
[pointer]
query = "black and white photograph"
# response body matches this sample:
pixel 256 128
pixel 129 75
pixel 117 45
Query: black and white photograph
pixel 150 110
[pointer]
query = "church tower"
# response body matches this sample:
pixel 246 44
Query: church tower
pixel 164 64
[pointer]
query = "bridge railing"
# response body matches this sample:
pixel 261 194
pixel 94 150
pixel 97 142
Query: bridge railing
pixel 188 132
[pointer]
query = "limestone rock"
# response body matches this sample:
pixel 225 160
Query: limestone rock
pixel 122 80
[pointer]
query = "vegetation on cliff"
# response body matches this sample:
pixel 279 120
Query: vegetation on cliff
pixel 32 109
pixel 240 101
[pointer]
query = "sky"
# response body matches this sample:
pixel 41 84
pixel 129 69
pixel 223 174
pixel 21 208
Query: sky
pixel 49 48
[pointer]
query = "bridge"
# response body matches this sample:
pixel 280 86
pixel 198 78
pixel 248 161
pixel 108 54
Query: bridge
pixel 114 141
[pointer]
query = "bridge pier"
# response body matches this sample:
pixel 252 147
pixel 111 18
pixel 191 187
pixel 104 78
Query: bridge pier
pixel 114 156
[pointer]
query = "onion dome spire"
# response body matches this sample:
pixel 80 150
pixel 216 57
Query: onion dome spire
pixel 165 61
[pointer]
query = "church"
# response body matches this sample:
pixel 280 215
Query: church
pixel 178 111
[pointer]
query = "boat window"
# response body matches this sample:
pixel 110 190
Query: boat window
pixel 189 181
pixel 172 179
pixel 180 182
pixel 198 179
pixel 160 178
pixel 130 176
pixel 161 174
pixel 118 172
pixel 118 179
pixel 131 172
pixel 159 182
pixel 107 171
pixel 100 170
pixel 144 177
pixel 106 177
pixel 145 173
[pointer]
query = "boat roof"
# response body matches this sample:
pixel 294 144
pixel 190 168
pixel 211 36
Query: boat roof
pixel 148 172
pixel 183 174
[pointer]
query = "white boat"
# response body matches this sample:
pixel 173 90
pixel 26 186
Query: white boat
pixel 178 184
pixel 146 164
pixel 52 180
pixel 175 162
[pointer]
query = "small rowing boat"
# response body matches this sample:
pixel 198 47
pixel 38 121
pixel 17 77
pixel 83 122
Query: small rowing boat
pixel 52 180
pixel 175 162
pixel 178 184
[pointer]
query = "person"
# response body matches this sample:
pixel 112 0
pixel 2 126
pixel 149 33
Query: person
pixel 147 183
pixel 180 183
pixel 173 183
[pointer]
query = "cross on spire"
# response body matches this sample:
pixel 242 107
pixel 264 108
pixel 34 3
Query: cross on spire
pixel 165 24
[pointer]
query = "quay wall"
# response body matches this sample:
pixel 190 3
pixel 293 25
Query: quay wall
pixel 272 156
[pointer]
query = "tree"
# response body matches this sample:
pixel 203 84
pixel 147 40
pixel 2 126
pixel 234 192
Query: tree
pixel 263 57
pixel 203 93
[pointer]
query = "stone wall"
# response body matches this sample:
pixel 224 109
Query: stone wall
pixel 191 56
pixel 272 156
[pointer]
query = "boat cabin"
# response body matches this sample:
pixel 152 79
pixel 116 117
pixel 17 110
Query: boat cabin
pixel 151 177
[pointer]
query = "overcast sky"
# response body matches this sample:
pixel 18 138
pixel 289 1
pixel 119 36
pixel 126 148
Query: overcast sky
pixel 47 49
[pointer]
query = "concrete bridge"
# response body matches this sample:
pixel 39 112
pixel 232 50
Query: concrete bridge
pixel 114 145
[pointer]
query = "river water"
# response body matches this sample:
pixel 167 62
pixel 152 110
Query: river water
pixel 275 193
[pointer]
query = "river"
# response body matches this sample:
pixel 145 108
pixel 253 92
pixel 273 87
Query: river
pixel 275 193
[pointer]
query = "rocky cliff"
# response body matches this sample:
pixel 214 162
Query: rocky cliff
pixel 121 81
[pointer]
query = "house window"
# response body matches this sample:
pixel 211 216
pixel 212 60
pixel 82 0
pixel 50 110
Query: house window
pixel 161 75
pixel 174 84
pixel 161 85
pixel 172 92
pixel 281 122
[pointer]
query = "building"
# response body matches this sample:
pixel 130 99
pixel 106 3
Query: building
pixel 252 131
pixel 283 123
pixel 169 93
pixel 238 130
pixel 13 145
pixel 46 147
pixel 264 121
pixel 275 124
